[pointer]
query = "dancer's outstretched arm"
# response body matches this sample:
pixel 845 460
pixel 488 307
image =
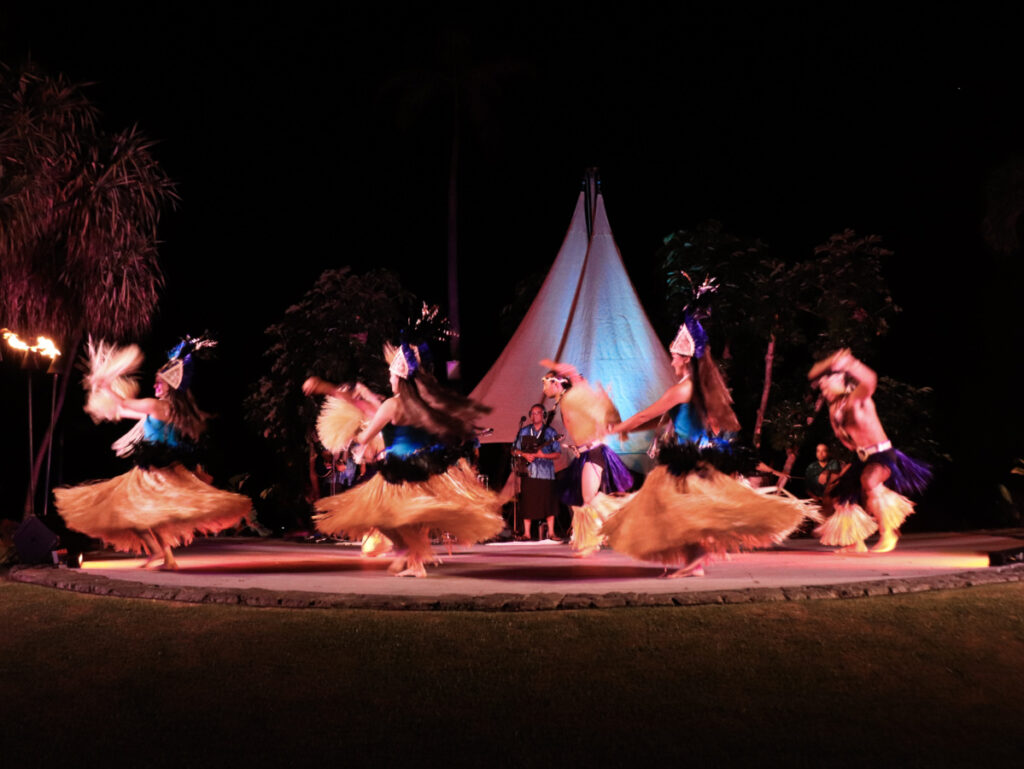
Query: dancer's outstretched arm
pixel 317 386
pixel 359 395
pixel 139 408
pixel 867 379
pixel 384 414
pixel 680 392
pixel 136 408
pixel 843 360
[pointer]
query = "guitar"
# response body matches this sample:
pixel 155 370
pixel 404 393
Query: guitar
pixel 529 444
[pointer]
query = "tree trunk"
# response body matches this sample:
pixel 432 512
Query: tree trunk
pixel 453 248
pixel 769 361
pixel 44 445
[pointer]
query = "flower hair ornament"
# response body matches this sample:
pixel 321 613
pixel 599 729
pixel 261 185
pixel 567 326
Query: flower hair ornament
pixel 177 372
pixel 551 376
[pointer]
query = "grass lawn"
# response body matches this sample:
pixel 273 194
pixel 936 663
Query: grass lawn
pixel 928 679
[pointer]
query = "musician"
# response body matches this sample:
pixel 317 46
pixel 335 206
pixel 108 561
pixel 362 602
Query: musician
pixel 821 476
pixel 535 450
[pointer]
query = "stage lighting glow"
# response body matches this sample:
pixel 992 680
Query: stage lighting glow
pixel 119 563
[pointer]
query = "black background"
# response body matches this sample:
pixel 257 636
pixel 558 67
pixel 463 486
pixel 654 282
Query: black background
pixel 292 134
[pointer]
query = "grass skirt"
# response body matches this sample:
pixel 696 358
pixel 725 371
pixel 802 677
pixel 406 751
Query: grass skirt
pixel 850 524
pixel 454 502
pixel 670 514
pixel 587 521
pixel 170 500
pixel 906 476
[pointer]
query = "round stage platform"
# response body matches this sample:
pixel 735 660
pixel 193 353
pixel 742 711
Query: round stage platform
pixel 533 575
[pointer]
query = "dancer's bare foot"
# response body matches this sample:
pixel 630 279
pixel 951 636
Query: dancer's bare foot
pixel 153 562
pixel 398 564
pixel 856 547
pixel 886 543
pixel 169 556
pixel 692 569
pixel 416 569
pixel 169 564
pixel 585 552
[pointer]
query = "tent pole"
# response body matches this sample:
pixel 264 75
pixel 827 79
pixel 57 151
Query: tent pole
pixel 586 203
pixel 589 199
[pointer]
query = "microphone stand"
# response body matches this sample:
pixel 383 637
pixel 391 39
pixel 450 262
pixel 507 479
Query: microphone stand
pixel 516 482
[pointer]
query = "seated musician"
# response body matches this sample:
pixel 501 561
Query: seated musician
pixel 821 478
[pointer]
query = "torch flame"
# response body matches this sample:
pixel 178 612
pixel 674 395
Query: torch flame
pixel 46 347
pixel 43 346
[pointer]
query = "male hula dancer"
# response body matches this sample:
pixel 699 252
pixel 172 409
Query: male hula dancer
pixel 880 475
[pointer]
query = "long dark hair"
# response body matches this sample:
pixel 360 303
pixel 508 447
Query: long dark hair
pixel 424 403
pixel 185 415
pixel 711 397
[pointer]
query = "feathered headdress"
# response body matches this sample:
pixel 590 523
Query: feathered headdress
pixel 408 358
pixel 692 340
pixel 405 360
pixel 177 372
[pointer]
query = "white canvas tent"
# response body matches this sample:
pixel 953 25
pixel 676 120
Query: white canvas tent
pixel 587 313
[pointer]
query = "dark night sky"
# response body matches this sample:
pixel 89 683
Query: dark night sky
pixel 294 149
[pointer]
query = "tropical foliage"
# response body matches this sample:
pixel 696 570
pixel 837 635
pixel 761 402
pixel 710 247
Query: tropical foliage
pixel 79 213
pixel 772 318
pixel 336 331
pixel 749 311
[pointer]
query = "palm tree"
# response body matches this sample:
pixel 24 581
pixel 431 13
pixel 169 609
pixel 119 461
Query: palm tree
pixel 79 209
pixel 459 87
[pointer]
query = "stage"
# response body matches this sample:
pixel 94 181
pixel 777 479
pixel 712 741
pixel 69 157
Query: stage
pixel 533 575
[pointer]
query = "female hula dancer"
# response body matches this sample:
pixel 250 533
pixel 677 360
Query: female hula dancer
pixel 586 414
pixel 166 498
pixel 880 475
pixel 688 509
pixel 425 482
pixel 346 411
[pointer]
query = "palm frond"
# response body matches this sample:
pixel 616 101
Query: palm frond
pixel 79 213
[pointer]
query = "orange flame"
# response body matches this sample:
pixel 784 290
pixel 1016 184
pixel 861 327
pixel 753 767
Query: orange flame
pixel 43 346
